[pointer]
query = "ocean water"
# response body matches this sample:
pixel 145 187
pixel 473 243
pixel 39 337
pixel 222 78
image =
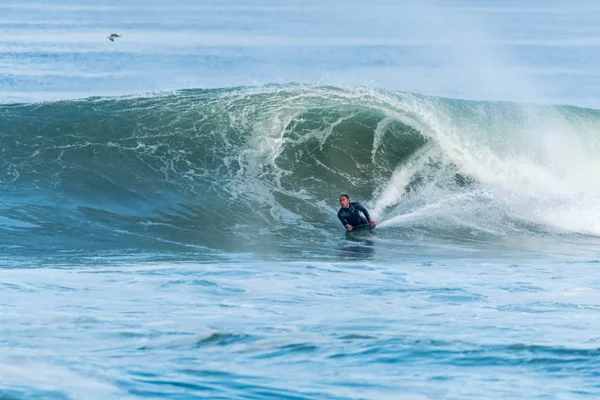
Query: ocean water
pixel 168 222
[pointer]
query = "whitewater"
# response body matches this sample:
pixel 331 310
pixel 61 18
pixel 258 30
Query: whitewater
pixel 168 221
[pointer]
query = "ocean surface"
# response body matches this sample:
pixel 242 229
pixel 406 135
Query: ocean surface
pixel 168 200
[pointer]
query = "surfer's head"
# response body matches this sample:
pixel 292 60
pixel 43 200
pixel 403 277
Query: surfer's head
pixel 345 200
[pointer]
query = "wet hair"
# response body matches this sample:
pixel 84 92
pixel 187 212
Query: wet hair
pixel 346 196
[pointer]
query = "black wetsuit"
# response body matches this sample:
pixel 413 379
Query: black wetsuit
pixel 351 215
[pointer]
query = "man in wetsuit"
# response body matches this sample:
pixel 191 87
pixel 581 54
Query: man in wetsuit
pixel 349 214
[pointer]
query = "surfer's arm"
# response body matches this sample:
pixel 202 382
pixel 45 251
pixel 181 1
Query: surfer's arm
pixel 344 222
pixel 360 207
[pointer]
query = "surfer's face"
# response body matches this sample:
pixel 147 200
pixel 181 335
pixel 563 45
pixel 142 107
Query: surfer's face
pixel 344 201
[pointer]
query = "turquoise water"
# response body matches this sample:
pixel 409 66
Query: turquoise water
pixel 168 209
pixel 420 327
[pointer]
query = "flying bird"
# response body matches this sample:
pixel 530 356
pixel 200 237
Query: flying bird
pixel 113 36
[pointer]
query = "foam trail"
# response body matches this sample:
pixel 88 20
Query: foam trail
pixel 393 192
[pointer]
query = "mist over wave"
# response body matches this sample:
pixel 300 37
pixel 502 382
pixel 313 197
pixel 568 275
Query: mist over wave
pixel 261 168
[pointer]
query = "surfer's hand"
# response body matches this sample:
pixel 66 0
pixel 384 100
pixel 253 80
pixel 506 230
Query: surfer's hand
pixel 373 222
pixel 349 227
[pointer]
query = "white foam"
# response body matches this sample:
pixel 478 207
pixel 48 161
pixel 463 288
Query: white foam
pixel 541 167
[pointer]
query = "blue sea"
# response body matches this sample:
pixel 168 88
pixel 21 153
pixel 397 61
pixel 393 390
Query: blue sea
pixel 168 203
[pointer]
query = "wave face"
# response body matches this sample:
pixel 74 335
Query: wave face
pixel 260 169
